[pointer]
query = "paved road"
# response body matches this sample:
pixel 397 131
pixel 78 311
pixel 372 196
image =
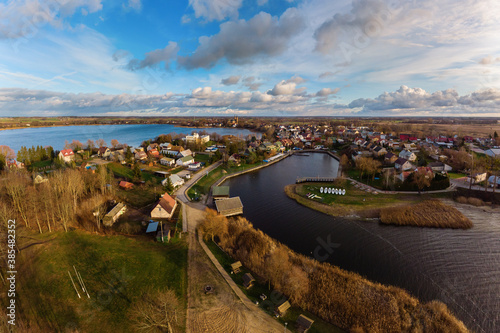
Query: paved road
pixel 463 183
pixel 182 196
pixel 373 189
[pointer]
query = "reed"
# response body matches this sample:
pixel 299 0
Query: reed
pixel 429 213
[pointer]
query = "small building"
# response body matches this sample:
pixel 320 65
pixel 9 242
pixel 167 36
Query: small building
pixel 439 166
pixel 185 153
pixel 248 280
pixel 174 179
pixel 40 179
pixel 165 207
pixel 183 161
pixel 195 166
pixel 114 214
pixel 220 192
pixel 283 308
pixel 229 206
pixel 163 234
pixel 479 177
pixel 491 181
pixel 140 155
pixel 167 161
pixel 126 185
pixel 390 158
pixel 409 155
pixel 236 267
pixel 402 164
pixel 304 323
pixel 103 152
pixel 66 155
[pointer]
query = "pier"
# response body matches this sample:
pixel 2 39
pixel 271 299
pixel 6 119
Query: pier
pixel 314 179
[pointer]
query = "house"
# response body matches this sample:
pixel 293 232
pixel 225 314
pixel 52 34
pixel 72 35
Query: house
pixel 236 267
pixel 491 181
pixel 12 163
pixel 185 161
pixel 283 308
pixel 220 192
pixel 390 158
pixel 165 207
pixel 229 207
pixel 152 146
pixel 195 166
pixel 493 152
pixel 126 185
pixel 167 161
pixel 304 323
pixel 379 151
pixel 175 180
pixel 173 151
pixel 479 177
pixel 66 155
pixel 40 179
pixel 185 153
pixel 402 164
pixel 248 280
pixel 409 155
pixel 236 159
pixel 439 166
pixel 103 152
pixel 404 175
pixel 154 153
pixel 140 155
pixel 114 214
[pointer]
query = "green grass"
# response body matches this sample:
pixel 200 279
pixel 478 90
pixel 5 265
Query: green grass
pixel 116 270
pixel 270 304
pixel 122 171
pixel 455 175
pixel 202 158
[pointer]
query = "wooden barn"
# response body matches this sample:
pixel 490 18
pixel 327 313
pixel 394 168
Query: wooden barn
pixel 229 206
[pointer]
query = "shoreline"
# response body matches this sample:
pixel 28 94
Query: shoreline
pixel 419 212
pixel 179 126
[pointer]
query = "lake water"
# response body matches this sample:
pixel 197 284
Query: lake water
pixel 459 267
pixel 133 135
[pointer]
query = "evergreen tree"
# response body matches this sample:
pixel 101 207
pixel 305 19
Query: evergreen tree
pixel 137 171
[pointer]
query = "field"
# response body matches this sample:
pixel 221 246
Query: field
pixel 116 270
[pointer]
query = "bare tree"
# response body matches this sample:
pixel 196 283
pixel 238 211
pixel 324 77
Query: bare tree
pixel 422 178
pixel 100 143
pixel 213 224
pixel 158 311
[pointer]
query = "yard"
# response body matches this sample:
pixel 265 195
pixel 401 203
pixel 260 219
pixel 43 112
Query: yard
pixel 116 270
pixel 271 302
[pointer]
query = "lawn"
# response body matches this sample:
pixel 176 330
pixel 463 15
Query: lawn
pixel 455 175
pixel 125 172
pixel 115 269
pixel 141 195
pixel 272 302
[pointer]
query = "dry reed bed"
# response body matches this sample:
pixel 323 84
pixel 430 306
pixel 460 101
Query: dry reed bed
pixel 429 213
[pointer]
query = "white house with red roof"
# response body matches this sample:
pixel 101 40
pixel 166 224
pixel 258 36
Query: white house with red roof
pixel 165 207
pixel 66 155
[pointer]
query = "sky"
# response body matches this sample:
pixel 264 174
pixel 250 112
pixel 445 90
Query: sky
pixel 250 58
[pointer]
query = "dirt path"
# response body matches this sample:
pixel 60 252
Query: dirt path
pixel 220 311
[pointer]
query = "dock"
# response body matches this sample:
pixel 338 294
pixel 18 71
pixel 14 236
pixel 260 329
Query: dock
pixel 314 179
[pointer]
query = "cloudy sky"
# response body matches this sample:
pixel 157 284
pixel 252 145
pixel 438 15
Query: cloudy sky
pixel 250 57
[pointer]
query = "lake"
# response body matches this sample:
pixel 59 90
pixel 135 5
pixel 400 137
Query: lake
pixel 459 267
pixel 133 135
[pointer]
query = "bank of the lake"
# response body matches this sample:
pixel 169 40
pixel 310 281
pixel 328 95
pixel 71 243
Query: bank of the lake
pixel 458 267
pixel 133 135
pixel 397 209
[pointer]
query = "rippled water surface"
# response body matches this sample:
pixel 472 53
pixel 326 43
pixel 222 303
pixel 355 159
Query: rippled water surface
pixel 459 267
pixel 132 135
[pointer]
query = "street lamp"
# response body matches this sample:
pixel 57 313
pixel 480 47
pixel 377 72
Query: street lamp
pixel 285 327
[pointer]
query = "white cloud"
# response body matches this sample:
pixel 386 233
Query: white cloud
pixel 135 4
pixel 327 92
pixel 24 18
pixel 288 87
pixel 215 9
pixel 489 60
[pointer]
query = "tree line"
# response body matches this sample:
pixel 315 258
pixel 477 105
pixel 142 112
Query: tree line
pixel 342 298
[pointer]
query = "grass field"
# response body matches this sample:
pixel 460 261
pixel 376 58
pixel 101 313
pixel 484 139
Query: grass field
pixel 116 270
pixel 269 305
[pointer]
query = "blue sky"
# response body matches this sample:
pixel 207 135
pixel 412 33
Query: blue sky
pixel 249 57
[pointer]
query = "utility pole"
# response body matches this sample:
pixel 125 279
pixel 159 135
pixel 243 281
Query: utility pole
pixel 471 169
